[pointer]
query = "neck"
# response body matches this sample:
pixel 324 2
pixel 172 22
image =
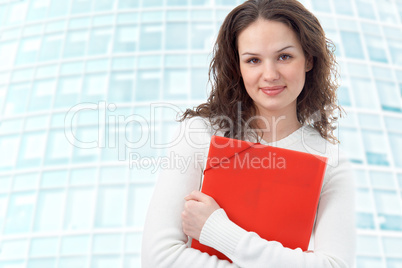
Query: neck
pixel 276 126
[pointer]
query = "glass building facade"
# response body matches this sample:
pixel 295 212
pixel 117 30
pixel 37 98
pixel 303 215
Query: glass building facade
pixel 89 90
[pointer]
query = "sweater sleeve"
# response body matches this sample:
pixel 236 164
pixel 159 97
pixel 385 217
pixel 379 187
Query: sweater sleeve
pixel 164 244
pixel 334 232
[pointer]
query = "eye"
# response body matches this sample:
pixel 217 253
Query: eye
pixel 253 61
pixel 284 57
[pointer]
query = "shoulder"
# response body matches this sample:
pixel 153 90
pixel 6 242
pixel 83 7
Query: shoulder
pixel 337 161
pixel 193 133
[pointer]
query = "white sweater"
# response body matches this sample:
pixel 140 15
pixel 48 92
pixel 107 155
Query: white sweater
pixel 165 244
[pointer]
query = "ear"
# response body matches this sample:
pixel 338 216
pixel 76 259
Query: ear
pixel 309 64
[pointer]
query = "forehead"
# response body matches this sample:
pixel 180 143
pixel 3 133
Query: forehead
pixel 267 35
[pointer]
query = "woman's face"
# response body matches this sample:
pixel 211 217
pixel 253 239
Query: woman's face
pixel 273 66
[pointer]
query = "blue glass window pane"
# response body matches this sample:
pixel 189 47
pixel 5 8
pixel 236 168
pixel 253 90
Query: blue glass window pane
pixel 87 136
pixel 68 91
pixel 95 88
pixel 364 201
pixel 375 145
pixel 201 15
pixel 133 242
pixel 132 261
pixel 4 185
pixel 148 83
pixel 51 47
pixel 365 220
pixel 176 84
pixel 365 9
pixel 387 12
pixel 28 50
pixel 8 52
pixel 152 3
pixel 138 200
pixel 100 41
pixel 58 8
pixel 376 48
pixel 111 208
pixel 107 243
pixel 8 152
pixel 103 5
pixel 176 36
pixel 69 262
pixel 11 126
pixel 28 181
pixel 81 6
pixel 343 7
pixel 389 96
pixel 395 49
pixel 321 5
pixel 41 247
pixel 392 246
pixel 79 209
pixel 106 261
pixel 20 213
pixel 343 96
pixel 361 178
pixel 13 249
pixel 199 80
pixel 151 37
pixel 112 174
pixel 390 222
pixel 177 15
pixel 370 121
pixel 17 99
pixel 128 4
pixel 37 10
pixel 121 87
pixel 352 45
pixel 367 245
pixel 200 2
pixel 382 179
pixel 351 143
pixel 56 178
pixel 84 176
pixel 126 63
pixel 394 263
pixel 75 44
pixel 32 150
pixel 103 20
pixel 151 16
pixel 41 263
pixel 49 210
pixel 58 148
pixel 42 95
pixel 177 3
pixel 75 245
pixel 364 93
pixel 202 35
pixel 387 202
pixel 396 141
pixel 369 262
pixel 36 122
pixel 126 39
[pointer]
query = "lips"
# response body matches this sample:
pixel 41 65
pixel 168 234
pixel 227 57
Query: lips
pixel 272 91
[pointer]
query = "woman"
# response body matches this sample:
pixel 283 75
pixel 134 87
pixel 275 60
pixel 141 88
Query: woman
pixel 272 76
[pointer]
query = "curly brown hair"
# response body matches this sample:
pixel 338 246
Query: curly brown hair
pixel 317 102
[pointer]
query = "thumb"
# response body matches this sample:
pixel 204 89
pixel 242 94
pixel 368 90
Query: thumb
pixel 197 196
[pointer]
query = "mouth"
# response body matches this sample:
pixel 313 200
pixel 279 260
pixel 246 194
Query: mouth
pixel 272 91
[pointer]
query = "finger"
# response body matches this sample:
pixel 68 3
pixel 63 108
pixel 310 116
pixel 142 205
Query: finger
pixel 198 196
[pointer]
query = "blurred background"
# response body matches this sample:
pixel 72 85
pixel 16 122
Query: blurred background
pixel 83 92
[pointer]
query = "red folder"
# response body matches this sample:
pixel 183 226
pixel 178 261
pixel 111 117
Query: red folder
pixel 268 190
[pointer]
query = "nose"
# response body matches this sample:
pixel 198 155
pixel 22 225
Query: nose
pixel 270 72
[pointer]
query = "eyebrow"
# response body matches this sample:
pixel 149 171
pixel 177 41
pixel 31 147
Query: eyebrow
pixel 255 54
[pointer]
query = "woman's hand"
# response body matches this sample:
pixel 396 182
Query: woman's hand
pixel 197 209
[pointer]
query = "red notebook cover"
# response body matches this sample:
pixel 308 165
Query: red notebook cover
pixel 268 190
